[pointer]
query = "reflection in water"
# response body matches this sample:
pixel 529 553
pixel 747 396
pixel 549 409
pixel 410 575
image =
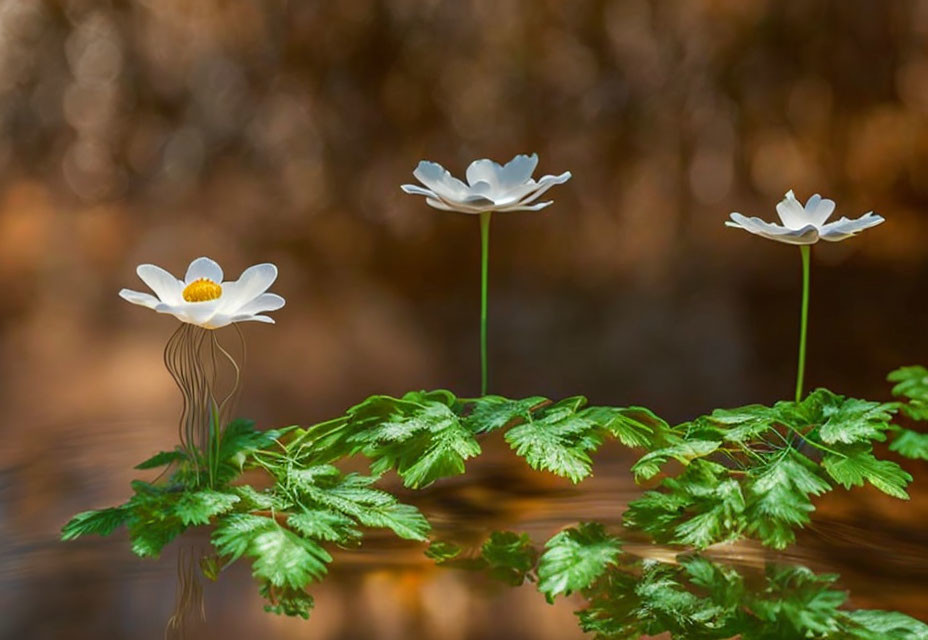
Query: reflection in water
pixel 189 609
pixel 687 595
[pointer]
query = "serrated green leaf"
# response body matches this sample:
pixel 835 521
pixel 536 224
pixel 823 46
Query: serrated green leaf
pixel 853 469
pixel 286 559
pixel 149 538
pixel 100 522
pixel 886 624
pixel 649 465
pixel 558 439
pixel 199 507
pixel 574 558
pixel 403 519
pixel 441 551
pixel 509 556
pixel 910 444
pixel 740 424
pixel 855 420
pixel 632 426
pixel 234 533
pixel 286 601
pixel 324 525
pixel 162 458
pixel 495 412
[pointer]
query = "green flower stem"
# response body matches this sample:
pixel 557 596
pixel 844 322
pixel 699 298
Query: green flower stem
pixel 484 269
pixel 805 250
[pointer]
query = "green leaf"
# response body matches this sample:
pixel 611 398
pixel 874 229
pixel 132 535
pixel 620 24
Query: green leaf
pixel 495 412
pixel 509 556
pixel 852 469
pixel 717 522
pixel 101 522
pixel 855 420
pixel 286 600
pixel 910 444
pixel 912 383
pixel 163 458
pixel 441 551
pixel 632 426
pixel 649 465
pixel 149 538
pixel 324 525
pixel 403 519
pixel 282 557
pixel 198 507
pixel 779 500
pixel 418 435
pixel 234 534
pixel 886 624
pixel 558 439
pixel 286 559
pixel 574 558
pixel 740 424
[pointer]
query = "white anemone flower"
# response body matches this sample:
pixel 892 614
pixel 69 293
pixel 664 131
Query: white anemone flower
pixel 805 225
pixel 202 298
pixel 490 186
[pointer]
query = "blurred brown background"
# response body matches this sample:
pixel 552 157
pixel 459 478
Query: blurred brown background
pixel 162 130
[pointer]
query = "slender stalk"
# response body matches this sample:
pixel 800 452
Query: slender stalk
pixel 805 251
pixel 484 269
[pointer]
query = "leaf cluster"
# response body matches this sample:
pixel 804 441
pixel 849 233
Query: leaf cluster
pixel 911 384
pixel 753 470
pixel 283 529
pixel 427 435
pixel 691 598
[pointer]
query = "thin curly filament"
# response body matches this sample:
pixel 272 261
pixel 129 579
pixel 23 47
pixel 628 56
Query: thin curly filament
pixel 188 603
pixel 200 364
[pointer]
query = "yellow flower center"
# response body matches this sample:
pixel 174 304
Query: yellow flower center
pixel 202 290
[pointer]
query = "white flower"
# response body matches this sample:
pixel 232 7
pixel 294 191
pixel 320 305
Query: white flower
pixel 490 187
pixel 805 225
pixel 203 299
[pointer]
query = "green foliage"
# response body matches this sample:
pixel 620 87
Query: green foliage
pixel 425 436
pixel 690 598
pixel 911 444
pixel 505 556
pixel 753 470
pixel 912 385
pixel 700 600
pixel 162 459
pixel 749 471
pixel 282 529
pixel 286 600
pixel 575 557
pixel 101 523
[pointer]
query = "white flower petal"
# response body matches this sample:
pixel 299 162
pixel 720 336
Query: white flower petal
pixel 253 282
pixel 530 207
pixel 844 228
pixel 805 235
pixel 484 171
pixel 166 287
pixel 254 318
pixel 264 302
pixel 438 204
pixel 517 171
pixel 416 190
pixel 545 183
pixel 203 268
pixel 791 213
pixel 438 179
pixel 818 209
pixel 139 298
pixel 198 313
